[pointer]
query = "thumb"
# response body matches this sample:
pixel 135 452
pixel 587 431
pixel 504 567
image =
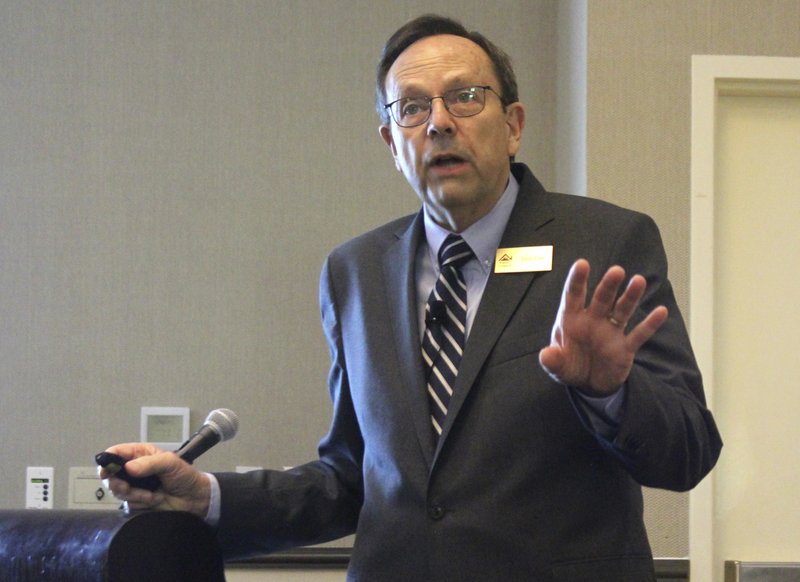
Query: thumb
pixel 551 359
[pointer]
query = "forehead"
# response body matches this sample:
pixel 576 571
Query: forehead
pixel 436 61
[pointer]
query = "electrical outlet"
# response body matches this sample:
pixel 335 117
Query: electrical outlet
pixel 39 488
pixel 86 490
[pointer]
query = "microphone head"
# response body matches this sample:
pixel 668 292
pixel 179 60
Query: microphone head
pixel 224 421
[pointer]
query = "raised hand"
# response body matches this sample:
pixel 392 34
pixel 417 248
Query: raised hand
pixel 589 346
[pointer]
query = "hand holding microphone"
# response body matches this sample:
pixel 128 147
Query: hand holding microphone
pixel 220 425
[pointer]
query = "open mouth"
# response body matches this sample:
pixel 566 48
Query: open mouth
pixel 447 161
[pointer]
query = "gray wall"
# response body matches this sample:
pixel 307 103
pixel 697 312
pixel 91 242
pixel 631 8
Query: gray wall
pixel 172 174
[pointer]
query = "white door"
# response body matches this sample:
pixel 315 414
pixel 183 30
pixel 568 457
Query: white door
pixel 745 306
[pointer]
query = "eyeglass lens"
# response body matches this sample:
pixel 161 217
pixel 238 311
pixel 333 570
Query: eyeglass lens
pixel 461 102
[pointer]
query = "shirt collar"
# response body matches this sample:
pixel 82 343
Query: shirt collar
pixel 483 237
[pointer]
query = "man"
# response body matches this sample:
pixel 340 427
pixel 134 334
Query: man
pixel 491 420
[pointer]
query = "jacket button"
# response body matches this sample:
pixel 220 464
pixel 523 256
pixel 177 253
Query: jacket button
pixel 436 512
pixel 633 444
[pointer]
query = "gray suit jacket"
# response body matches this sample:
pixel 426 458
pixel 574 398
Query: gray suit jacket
pixel 517 487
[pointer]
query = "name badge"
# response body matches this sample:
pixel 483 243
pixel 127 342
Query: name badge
pixel 524 259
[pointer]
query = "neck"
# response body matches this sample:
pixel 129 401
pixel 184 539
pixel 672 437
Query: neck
pixel 459 218
pixel 453 221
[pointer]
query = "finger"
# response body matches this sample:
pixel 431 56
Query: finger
pixel 118 488
pixel 140 458
pixel 144 499
pixel 647 328
pixel 575 287
pixel 626 304
pixel 606 292
pixel 104 474
pixel 156 464
pixel 134 450
pixel 141 464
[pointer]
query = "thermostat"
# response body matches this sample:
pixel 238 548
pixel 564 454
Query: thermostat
pixel 39 488
pixel 164 426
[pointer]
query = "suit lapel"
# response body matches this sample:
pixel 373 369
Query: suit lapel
pixel 503 293
pixel 399 271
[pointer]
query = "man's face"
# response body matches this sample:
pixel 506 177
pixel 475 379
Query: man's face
pixel 458 166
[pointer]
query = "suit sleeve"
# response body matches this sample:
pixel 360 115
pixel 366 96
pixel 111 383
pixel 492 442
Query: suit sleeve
pixel 667 437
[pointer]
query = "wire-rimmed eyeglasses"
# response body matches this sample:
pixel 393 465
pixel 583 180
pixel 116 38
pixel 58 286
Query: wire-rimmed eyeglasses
pixel 461 102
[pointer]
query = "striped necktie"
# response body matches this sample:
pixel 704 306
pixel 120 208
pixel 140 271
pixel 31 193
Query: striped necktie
pixel 445 330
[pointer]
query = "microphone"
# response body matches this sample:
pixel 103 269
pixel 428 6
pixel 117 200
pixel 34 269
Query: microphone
pixel 220 425
pixel 437 313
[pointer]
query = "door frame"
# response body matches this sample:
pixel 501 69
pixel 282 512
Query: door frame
pixel 714 76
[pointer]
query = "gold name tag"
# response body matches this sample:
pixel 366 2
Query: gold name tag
pixel 524 259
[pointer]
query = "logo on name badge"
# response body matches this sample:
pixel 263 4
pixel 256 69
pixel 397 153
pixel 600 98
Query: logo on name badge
pixel 524 259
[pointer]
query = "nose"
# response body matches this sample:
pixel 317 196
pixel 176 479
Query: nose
pixel 440 121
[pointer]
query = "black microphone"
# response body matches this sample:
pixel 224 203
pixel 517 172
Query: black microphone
pixel 220 425
pixel 437 313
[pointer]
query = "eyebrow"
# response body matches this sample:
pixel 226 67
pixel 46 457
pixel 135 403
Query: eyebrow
pixel 414 91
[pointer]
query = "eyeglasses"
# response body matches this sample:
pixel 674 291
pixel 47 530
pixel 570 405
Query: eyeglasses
pixel 461 102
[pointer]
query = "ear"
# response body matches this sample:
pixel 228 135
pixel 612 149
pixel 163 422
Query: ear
pixel 386 134
pixel 515 120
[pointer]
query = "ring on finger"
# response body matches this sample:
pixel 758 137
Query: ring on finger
pixel 614 321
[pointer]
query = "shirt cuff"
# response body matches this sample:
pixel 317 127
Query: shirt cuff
pixel 604 413
pixel 214 503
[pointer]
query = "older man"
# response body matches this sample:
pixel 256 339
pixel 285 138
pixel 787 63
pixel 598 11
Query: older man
pixel 493 419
